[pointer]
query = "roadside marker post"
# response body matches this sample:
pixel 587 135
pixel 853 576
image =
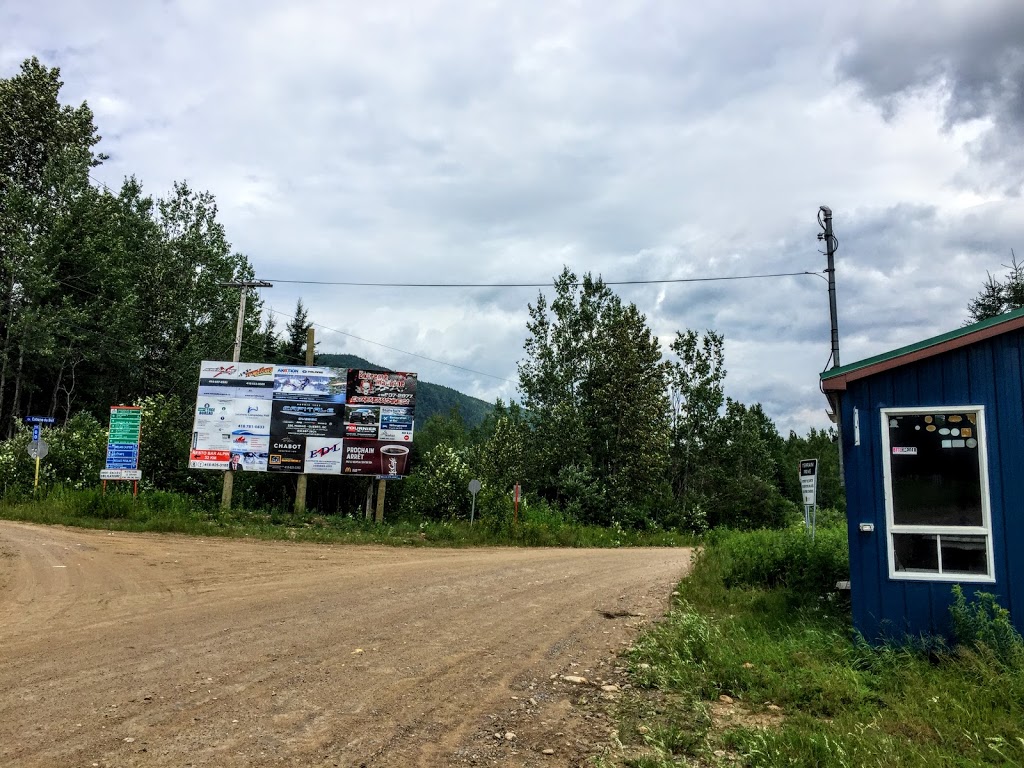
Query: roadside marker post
pixel 809 490
pixel 474 488
pixel 38 448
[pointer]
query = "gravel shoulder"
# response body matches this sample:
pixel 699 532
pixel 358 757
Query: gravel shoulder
pixel 121 649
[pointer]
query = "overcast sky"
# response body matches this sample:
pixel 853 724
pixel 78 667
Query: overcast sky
pixel 496 141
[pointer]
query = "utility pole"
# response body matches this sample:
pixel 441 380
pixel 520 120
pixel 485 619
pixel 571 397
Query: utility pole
pixel 245 285
pixel 825 221
pixel 300 483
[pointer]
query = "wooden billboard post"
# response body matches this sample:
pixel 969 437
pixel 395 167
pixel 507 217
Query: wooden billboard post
pixel 381 490
pixel 300 484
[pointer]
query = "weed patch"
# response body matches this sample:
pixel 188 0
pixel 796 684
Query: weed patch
pixel 798 688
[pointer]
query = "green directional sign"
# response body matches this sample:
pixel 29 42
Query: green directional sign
pixel 123 442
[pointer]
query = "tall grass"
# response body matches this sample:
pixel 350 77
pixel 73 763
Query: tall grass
pixel 157 511
pixel 748 626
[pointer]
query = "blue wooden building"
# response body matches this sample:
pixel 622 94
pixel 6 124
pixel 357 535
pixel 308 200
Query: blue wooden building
pixel 933 450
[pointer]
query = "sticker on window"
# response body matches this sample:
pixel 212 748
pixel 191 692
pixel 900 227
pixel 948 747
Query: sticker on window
pixel 908 451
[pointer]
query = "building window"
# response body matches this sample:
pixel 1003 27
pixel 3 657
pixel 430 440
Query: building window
pixel 936 494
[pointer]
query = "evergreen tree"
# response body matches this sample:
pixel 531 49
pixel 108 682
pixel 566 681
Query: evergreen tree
pixel 294 348
pixel 999 296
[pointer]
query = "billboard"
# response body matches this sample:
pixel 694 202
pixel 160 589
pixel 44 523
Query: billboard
pixel 231 422
pixel 299 419
pixel 308 404
pixel 375 457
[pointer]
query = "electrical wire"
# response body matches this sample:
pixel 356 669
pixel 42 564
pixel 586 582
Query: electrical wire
pixel 403 351
pixel 539 285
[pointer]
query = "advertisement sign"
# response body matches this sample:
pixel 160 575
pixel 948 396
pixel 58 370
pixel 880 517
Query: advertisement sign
pixel 809 481
pixel 395 388
pixel 294 418
pixel 308 408
pixel 323 456
pixel 396 424
pixel 286 455
pixel 362 421
pixel 374 457
pixel 231 423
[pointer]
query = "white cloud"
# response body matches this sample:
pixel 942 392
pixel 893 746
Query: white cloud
pixel 451 142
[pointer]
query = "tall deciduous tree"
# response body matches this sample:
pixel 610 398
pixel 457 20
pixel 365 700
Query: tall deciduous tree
pixel 697 395
pixel 46 151
pixel 595 386
pixel 104 297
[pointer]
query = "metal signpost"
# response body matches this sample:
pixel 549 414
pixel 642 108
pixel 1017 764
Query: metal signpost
pixel 809 489
pixel 38 448
pixel 474 488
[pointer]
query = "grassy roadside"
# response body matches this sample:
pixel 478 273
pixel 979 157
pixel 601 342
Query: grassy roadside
pixel 757 665
pixel 159 512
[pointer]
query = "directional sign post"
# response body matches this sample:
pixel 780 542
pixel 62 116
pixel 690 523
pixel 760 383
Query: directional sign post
pixel 123 446
pixel 809 489
pixel 474 488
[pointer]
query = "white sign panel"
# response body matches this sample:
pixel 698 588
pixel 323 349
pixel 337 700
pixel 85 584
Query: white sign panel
pixel 231 428
pixel 323 455
pixel 809 481
pixel 120 474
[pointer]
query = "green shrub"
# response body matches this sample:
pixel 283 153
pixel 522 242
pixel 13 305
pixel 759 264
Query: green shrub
pixel 786 558
pixel 983 624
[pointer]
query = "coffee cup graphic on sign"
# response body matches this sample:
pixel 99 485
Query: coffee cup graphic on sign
pixel 393 459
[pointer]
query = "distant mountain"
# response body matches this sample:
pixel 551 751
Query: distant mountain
pixel 430 398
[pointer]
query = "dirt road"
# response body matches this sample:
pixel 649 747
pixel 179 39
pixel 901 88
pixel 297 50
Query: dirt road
pixel 124 649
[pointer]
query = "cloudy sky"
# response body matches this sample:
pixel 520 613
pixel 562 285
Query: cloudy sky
pixel 432 141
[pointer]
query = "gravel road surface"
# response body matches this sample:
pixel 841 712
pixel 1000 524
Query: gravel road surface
pixel 120 649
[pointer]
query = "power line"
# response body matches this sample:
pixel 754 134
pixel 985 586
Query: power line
pixel 542 285
pixel 403 351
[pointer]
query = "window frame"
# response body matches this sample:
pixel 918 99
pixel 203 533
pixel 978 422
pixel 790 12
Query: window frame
pixel 984 530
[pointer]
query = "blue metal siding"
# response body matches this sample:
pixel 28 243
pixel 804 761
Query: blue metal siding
pixel 990 374
pixel 1005 474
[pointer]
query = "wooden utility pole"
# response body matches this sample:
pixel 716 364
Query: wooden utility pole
pixel 236 355
pixel 300 485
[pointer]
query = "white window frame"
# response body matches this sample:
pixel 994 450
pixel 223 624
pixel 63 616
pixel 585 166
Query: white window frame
pixel 985 529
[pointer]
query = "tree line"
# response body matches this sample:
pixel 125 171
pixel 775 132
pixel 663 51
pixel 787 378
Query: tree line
pixel 115 296
pixel 610 432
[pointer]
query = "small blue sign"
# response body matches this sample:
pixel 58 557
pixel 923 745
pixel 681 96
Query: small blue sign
pixel 123 447
pixel 35 433
pixel 40 420
pixel 122 454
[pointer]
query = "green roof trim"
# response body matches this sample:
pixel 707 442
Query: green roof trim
pixel 935 340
